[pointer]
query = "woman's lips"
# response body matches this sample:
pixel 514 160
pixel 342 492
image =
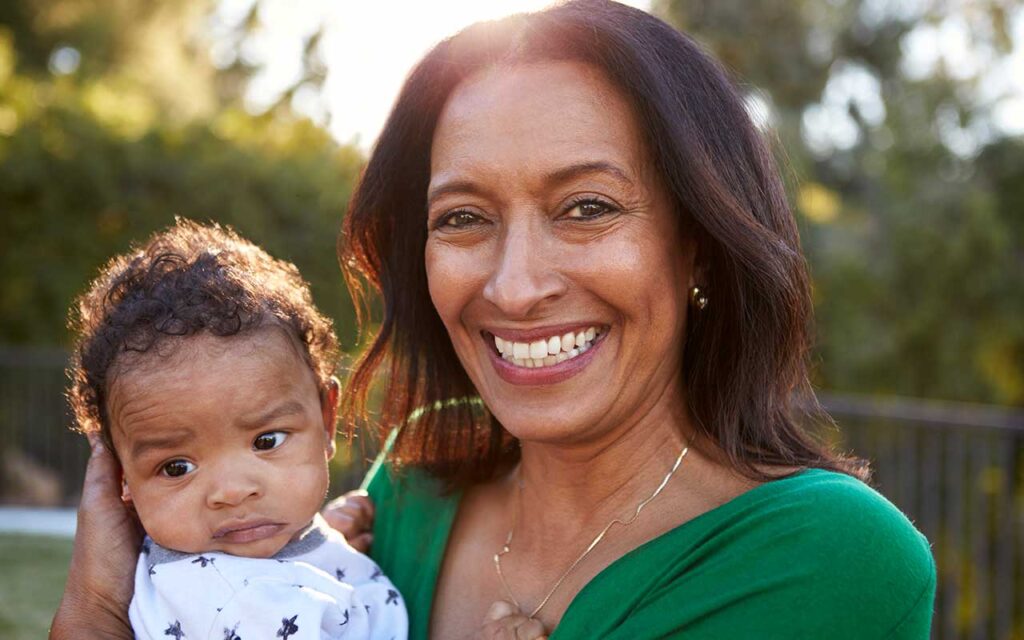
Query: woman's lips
pixel 249 531
pixel 551 374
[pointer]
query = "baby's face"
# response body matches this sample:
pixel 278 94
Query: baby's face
pixel 224 443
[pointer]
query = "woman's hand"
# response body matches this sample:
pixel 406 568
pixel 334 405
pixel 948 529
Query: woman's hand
pixel 101 577
pixel 505 622
pixel 352 515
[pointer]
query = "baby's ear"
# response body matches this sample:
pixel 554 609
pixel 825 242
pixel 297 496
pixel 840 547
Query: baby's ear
pixel 329 408
pixel 126 493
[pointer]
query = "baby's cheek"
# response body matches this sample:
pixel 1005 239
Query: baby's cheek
pixel 306 487
pixel 173 520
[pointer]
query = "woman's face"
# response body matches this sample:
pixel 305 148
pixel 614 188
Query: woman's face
pixel 554 257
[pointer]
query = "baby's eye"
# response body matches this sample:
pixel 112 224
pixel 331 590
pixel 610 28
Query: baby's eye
pixel 269 440
pixel 177 468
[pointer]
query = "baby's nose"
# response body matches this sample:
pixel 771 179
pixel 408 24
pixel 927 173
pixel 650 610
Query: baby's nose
pixel 232 489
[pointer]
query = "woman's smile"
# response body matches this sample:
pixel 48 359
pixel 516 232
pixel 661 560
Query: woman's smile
pixel 545 355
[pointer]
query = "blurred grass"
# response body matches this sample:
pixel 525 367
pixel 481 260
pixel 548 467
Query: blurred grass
pixel 31 583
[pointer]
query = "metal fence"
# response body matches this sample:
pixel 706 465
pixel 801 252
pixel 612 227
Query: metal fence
pixel 956 470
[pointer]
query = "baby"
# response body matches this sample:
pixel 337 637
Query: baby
pixel 202 362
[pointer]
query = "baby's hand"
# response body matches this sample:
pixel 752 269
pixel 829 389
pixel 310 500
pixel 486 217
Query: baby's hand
pixel 505 622
pixel 352 515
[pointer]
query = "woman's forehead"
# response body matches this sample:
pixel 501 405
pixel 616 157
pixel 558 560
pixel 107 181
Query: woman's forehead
pixel 538 117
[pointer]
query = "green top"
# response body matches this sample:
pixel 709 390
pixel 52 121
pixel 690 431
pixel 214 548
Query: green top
pixel 815 555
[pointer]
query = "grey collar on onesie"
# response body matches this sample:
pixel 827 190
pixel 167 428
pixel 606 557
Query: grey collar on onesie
pixel 307 540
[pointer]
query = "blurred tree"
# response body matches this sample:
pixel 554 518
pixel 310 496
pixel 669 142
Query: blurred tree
pixel 112 121
pixel 909 192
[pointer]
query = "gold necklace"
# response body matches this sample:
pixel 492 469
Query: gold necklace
pixel 515 521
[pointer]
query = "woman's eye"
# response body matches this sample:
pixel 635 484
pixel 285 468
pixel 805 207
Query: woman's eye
pixel 458 220
pixel 177 468
pixel 589 209
pixel 269 440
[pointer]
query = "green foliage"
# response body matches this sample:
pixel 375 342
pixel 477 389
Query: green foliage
pixel 88 165
pixel 912 224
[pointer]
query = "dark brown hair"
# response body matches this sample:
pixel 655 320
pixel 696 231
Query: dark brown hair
pixel 187 279
pixel 745 355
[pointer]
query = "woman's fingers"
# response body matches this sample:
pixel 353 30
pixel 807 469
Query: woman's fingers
pixel 505 622
pixel 361 542
pixel 100 578
pixel 352 515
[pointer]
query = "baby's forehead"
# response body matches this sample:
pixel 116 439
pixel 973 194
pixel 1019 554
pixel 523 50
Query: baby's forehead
pixel 169 357
pixel 206 372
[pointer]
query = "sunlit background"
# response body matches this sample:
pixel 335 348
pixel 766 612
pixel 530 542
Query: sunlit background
pixel 366 45
pixel 899 124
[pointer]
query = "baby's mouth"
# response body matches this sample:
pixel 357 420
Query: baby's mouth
pixel 248 531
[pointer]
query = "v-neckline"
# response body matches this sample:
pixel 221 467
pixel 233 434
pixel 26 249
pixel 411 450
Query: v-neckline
pixel 721 511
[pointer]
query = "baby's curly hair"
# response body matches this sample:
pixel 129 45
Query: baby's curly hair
pixel 187 279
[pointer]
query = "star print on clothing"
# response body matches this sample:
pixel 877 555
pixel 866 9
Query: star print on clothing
pixel 339 574
pixel 229 634
pixel 377 574
pixel 152 569
pixel 288 627
pixel 174 630
pixel 202 561
pixel 392 597
pixel 345 621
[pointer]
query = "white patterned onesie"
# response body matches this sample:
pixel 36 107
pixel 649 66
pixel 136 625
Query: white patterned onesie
pixel 316 587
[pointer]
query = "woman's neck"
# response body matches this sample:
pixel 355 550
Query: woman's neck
pixel 561 489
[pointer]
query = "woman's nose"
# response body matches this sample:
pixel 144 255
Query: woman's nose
pixel 525 272
pixel 231 488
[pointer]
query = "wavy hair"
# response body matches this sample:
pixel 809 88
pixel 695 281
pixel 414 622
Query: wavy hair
pixel 744 357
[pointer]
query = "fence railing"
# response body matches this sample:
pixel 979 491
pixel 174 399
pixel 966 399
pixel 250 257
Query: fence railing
pixel 956 470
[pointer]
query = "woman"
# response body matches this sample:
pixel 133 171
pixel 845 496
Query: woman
pixel 570 216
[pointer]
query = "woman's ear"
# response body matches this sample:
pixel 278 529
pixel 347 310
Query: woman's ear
pixel 329 394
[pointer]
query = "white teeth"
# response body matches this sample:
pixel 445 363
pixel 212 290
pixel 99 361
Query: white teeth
pixel 554 345
pixel 546 352
pixel 568 342
pixel 539 349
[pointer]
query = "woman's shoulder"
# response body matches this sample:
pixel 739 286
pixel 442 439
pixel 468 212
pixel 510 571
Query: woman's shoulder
pixel 832 549
pixel 803 556
pixel 837 510
pixel 835 522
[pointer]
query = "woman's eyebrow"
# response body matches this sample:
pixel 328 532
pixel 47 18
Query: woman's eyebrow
pixel 564 174
pixel 576 170
pixel 453 186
